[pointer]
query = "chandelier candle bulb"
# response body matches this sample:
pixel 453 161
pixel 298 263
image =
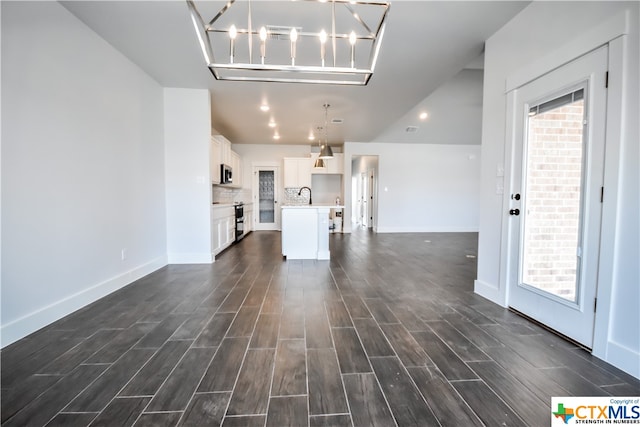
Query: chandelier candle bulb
pixel 233 33
pixel 323 42
pixel 352 42
pixel 294 38
pixel 263 44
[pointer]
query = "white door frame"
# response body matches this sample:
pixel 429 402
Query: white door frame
pixel 371 198
pixel 363 191
pixel 614 32
pixel 363 212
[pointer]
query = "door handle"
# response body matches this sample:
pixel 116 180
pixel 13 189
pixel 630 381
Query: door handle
pixel 515 212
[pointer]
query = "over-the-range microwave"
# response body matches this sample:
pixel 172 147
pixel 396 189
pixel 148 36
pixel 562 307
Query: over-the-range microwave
pixel 226 174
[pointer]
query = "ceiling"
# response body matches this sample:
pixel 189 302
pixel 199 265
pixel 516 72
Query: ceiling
pixel 425 47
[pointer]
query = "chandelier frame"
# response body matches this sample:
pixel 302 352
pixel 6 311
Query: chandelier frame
pixel 258 71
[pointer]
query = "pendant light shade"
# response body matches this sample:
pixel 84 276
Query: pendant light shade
pixel 319 164
pixel 326 152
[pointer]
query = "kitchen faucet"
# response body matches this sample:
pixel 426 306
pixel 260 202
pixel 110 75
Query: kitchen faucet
pixel 300 193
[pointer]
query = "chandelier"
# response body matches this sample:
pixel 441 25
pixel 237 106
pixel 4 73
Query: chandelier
pixel 304 41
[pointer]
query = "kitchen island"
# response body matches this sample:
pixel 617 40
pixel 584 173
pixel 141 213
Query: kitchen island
pixel 305 231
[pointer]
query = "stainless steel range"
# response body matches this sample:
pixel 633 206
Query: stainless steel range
pixel 239 212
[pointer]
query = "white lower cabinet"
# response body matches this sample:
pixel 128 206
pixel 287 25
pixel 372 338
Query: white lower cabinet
pixel 223 228
pixel 248 217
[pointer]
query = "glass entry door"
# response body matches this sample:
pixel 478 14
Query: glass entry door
pixel 555 206
pixel 266 208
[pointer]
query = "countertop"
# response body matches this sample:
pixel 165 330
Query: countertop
pixel 227 205
pixel 313 206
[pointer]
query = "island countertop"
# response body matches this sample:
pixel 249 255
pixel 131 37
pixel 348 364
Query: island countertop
pixel 314 206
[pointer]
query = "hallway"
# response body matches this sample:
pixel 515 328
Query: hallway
pixel 389 332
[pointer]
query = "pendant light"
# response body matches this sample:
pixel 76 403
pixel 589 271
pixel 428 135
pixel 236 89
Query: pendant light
pixel 325 151
pixel 319 164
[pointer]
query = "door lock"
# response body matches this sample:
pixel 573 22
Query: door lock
pixel 515 212
pixel 515 196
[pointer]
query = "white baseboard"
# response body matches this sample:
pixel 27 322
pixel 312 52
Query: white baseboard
pixel 191 258
pixel 427 229
pixel 623 358
pixel 490 292
pixel 20 328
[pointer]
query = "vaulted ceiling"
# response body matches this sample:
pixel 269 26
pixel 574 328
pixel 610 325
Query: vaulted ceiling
pixel 430 60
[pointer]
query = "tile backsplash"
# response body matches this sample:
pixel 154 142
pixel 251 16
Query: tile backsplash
pixel 291 197
pixel 230 195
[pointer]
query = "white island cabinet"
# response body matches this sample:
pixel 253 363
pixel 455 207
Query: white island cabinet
pixel 305 231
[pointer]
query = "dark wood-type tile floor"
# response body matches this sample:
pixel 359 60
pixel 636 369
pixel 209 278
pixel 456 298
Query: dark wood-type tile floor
pixel 389 332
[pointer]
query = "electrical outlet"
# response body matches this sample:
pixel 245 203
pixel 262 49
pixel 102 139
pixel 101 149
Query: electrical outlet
pixel 123 254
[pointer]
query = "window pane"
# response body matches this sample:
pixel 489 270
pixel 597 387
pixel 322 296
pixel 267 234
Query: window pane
pixel 266 197
pixel 555 158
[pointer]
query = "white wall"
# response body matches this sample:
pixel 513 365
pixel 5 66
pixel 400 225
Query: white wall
pixel 430 187
pixel 326 187
pixel 421 187
pixel 82 168
pixel 187 118
pixel 511 57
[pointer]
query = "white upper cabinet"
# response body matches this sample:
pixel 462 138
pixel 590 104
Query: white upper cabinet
pixel 332 166
pixel 221 154
pixel 215 161
pixel 225 149
pixel 297 172
pixel 236 167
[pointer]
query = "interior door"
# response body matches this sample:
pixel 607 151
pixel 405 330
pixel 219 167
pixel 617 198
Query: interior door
pixel 370 189
pixel 555 210
pixel 364 206
pixel 266 208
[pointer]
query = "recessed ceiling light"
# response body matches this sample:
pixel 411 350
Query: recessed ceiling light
pixel 423 115
pixel 272 123
pixel 311 136
pixel 276 136
pixel 264 107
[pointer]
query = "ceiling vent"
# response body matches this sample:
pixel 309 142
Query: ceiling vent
pixel 337 121
pixel 411 129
